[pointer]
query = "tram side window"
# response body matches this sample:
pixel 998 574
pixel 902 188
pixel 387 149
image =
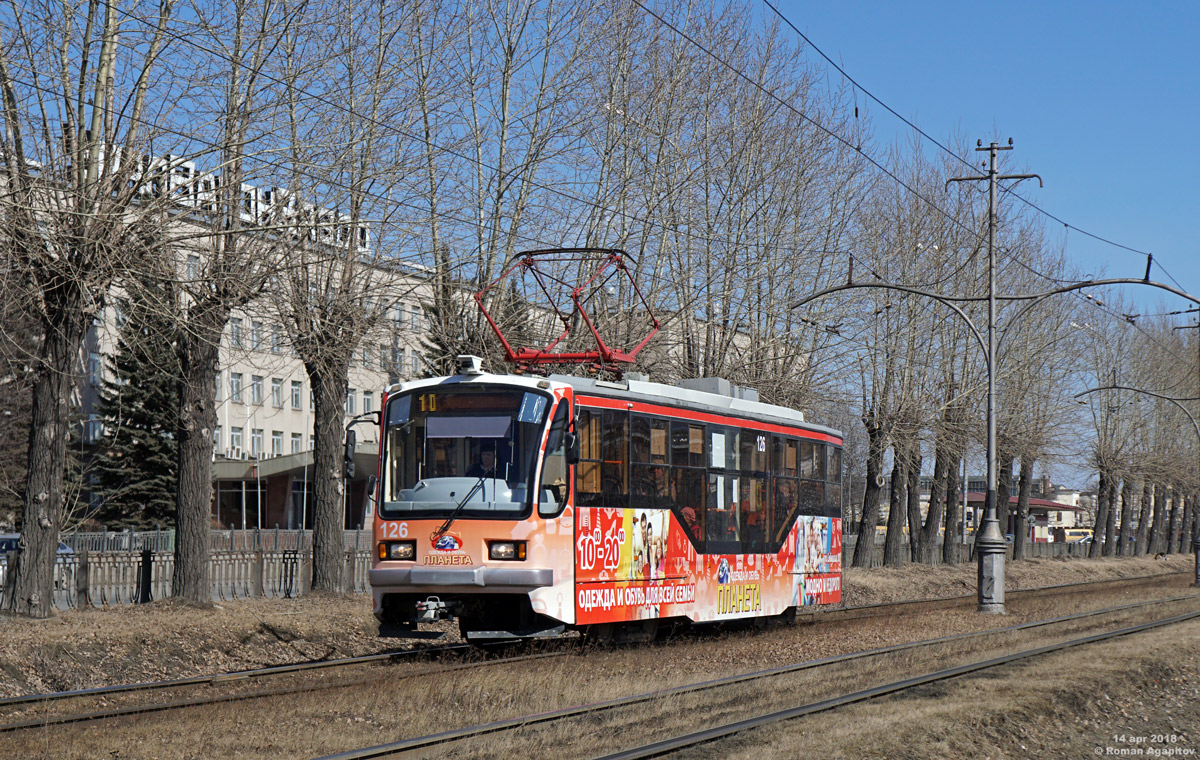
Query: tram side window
pixel 687 445
pixel 587 471
pixel 722 531
pixel 754 516
pixel 690 498
pixel 785 466
pixel 833 484
pixel 553 481
pixel 601 475
pixel 785 507
pixel 812 497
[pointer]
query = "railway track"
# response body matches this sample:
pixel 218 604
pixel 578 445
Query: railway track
pixel 589 714
pixel 57 708
pixel 238 679
pixel 728 730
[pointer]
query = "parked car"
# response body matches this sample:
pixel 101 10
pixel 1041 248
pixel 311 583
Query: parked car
pixel 1078 535
pixel 63 571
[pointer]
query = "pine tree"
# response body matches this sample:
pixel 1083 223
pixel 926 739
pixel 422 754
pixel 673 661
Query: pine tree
pixel 136 462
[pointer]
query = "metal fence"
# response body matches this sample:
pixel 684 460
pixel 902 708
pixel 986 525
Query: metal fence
pixel 962 552
pixel 231 539
pixel 99 579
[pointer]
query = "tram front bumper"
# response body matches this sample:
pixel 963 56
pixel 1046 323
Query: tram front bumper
pixel 502 579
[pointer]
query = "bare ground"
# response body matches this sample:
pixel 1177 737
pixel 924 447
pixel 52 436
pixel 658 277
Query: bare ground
pixel 96 647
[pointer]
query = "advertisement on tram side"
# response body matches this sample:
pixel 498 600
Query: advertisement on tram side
pixel 639 564
pixel 631 565
pixel 819 560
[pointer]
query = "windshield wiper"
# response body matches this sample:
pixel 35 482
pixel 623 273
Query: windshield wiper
pixel 458 508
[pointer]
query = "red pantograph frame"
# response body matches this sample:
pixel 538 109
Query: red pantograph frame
pixel 612 263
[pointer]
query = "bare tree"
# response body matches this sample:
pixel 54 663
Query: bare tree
pixel 343 273
pixel 231 255
pixel 75 90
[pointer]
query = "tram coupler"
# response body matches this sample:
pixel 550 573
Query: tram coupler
pixel 432 610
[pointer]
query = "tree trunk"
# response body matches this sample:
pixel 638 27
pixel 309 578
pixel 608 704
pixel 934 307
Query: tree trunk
pixel 951 538
pixel 42 513
pixel 1102 509
pixel 1144 517
pixel 199 342
pixel 894 542
pixel 1159 529
pixel 1176 513
pixel 1189 518
pixel 1004 489
pixel 1110 524
pixel 937 505
pixel 329 385
pixel 1021 529
pixel 913 494
pixel 864 549
pixel 1126 537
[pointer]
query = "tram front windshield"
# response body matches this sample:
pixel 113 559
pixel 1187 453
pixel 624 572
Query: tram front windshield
pixel 467 447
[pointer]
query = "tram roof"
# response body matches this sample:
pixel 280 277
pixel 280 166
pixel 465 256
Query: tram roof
pixel 647 392
pixel 693 399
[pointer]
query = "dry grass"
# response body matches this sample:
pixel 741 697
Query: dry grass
pixel 101 646
pixel 1063 706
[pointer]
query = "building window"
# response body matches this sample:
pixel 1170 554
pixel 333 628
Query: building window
pixel 366 356
pixel 350 402
pixel 312 443
pixel 93 429
pixel 256 389
pixel 312 399
pixel 256 442
pixel 416 318
pixel 217 438
pixel 256 329
pixel 398 318
pixel 368 402
pixel 297 442
pixel 235 387
pixel 416 362
pixel 193 266
pixel 235 440
pixel 94 371
pixel 276 392
pixel 276 443
pixel 296 387
pixel 235 332
pixel 276 340
pixel 398 359
pixel 383 358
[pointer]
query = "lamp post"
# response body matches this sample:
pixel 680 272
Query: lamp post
pixel 990 546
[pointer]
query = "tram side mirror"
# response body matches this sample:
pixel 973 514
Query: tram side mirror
pixel 571 448
pixel 372 481
pixel 351 440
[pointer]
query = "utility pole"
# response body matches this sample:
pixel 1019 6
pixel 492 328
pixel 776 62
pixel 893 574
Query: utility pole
pixel 990 546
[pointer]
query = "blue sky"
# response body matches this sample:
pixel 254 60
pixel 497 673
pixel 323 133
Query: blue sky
pixel 1101 98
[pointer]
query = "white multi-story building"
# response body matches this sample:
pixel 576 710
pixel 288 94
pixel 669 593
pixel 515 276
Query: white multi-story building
pixel 263 440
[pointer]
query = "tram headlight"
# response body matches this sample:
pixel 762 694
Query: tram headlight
pixel 506 550
pixel 402 550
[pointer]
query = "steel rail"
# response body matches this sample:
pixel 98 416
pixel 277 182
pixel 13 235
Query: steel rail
pixel 1133 580
pixel 685 741
pixel 431 740
pixel 235 675
pixel 142 709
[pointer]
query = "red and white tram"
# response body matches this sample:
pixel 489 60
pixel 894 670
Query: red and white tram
pixel 524 505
